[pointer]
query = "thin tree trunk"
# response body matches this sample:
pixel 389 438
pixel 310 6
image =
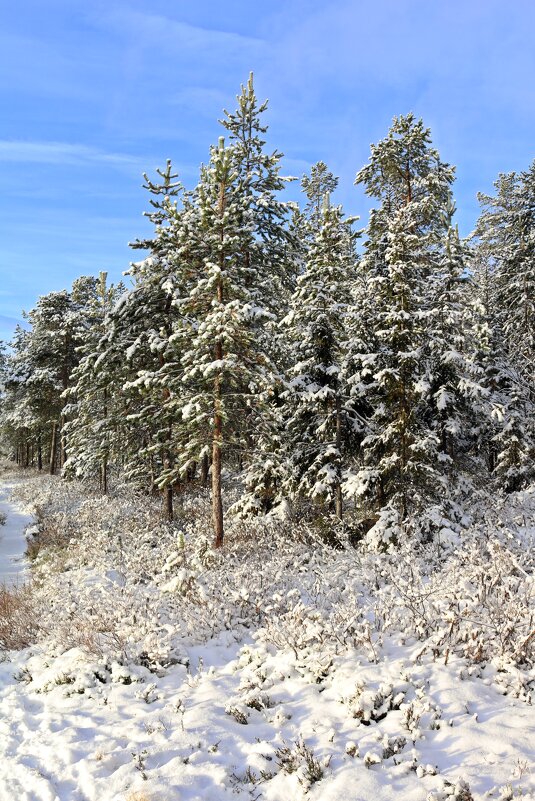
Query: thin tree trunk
pixel 63 443
pixel 217 501
pixel 338 506
pixel 104 462
pixel 168 491
pixel 191 472
pixel 205 467
pixel 53 448
pixel 169 511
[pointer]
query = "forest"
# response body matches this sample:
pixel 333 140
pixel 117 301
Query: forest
pixel 369 377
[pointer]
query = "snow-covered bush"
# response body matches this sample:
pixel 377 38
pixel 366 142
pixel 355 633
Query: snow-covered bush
pixel 20 621
pixel 116 580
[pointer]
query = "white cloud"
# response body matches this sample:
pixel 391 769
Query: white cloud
pixel 16 151
pixel 170 33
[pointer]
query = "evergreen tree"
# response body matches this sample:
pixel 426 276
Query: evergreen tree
pixel 505 255
pixel 146 325
pixel 455 377
pixel 506 241
pixel 270 260
pixel 265 258
pixel 319 184
pixel 399 475
pixel 40 369
pixel 318 418
pixel 92 395
pixel 226 365
pixel 24 408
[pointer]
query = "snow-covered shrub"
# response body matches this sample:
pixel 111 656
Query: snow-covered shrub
pixel 368 705
pixel 123 584
pixel 20 618
pixel 299 758
pixel 477 602
pixel 452 791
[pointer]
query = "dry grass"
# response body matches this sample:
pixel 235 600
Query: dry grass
pixel 55 533
pixel 138 795
pixel 95 632
pixel 19 618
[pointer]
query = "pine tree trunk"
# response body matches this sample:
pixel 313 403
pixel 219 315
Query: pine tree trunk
pixel 192 472
pixel 63 443
pixel 65 383
pixel 168 491
pixel 104 462
pixel 217 501
pixel 338 505
pixel 168 502
pixel 152 470
pixel 53 448
pixel 205 467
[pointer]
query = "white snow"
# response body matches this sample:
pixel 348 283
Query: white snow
pixel 13 565
pixel 280 702
pixel 217 731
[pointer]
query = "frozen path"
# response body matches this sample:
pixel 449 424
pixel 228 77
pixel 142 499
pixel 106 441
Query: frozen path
pixel 13 565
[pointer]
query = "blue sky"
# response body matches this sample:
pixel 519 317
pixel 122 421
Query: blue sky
pixel 94 93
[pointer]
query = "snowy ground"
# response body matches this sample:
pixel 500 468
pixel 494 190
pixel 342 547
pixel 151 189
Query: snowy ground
pixel 263 711
pixel 173 738
pixel 13 565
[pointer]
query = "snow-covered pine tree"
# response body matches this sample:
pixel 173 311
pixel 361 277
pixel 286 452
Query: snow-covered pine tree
pixel 271 261
pixel 158 282
pixel 399 474
pixel 503 434
pixel 318 419
pixel 226 366
pixel 505 259
pixel 121 355
pixel 23 408
pixel 40 367
pixel 143 342
pixel 265 259
pixel 92 395
pixel 505 234
pixel 513 442
pixel 320 183
pixel 456 389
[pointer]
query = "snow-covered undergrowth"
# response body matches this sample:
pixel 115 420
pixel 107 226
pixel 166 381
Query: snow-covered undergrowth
pixel 278 668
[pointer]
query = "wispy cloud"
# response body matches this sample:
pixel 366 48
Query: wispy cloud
pixel 9 321
pixel 15 151
pixel 168 32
